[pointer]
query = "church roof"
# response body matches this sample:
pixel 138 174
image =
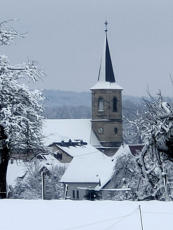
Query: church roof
pixel 106 78
pixel 56 130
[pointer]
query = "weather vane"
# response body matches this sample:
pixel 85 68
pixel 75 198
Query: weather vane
pixel 106 26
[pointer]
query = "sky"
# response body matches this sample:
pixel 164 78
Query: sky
pixel 66 37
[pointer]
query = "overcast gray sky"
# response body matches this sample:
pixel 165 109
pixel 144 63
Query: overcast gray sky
pixel 66 37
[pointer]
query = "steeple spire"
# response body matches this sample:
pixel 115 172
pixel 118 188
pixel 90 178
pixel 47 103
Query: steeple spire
pixel 106 72
pixel 106 79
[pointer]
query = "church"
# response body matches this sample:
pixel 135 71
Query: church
pixel 104 131
pixel 89 148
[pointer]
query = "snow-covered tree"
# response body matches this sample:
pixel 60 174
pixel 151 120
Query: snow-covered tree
pixel 133 113
pixel 30 187
pixel 149 174
pixel 157 155
pixel 20 108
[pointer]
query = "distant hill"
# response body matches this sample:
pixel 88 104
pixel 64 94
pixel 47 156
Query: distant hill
pixel 67 104
pixel 66 98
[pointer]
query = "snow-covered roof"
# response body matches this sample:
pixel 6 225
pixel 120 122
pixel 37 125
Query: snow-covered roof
pixel 16 169
pixel 78 150
pixel 89 166
pixel 56 130
pixel 106 85
pixel 50 162
pixel 93 166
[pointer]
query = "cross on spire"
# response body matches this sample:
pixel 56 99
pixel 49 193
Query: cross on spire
pixel 106 26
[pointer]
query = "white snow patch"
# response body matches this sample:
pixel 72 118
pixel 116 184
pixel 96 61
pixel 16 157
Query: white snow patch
pixel 106 85
pixel 87 215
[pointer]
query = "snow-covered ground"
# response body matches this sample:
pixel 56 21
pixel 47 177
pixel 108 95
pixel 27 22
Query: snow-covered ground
pixel 86 215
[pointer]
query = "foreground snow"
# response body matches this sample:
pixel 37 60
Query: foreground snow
pixel 87 215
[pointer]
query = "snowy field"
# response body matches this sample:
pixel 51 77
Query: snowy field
pixel 86 215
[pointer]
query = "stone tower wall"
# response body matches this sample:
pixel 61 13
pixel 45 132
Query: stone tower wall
pixel 105 123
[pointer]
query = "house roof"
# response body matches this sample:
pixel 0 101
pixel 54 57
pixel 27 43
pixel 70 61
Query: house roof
pixel 89 166
pixel 74 150
pixel 93 167
pixel 18 169
pixel 56 130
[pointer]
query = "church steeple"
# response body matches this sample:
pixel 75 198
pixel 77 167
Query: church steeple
pixel 106 78
pixel 106 72
pixel 107 105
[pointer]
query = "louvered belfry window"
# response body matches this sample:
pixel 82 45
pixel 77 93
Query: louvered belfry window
pixel 100 104
pixel 115 104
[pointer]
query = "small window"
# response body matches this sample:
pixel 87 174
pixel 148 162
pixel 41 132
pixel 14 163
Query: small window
pixel 100 104
pixel 59 156
pixel 73 194
pixel 114 104
pixel 77 195
pixel 115 130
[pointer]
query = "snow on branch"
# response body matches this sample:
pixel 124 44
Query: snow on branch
pixel 8 33
pixel 29 70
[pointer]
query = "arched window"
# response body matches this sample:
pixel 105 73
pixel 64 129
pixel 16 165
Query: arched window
pixel 100 104
pixel 115 107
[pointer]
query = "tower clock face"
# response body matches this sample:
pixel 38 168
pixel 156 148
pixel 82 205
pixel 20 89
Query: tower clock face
pixel 100 130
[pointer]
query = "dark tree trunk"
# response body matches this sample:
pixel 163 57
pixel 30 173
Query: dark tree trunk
pixel 4 158
pixel 3 172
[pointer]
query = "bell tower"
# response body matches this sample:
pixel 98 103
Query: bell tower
pixel 107 104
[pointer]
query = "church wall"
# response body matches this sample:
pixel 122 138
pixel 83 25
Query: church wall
pixel 107 123
pixel 108 134
pixel 107 96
